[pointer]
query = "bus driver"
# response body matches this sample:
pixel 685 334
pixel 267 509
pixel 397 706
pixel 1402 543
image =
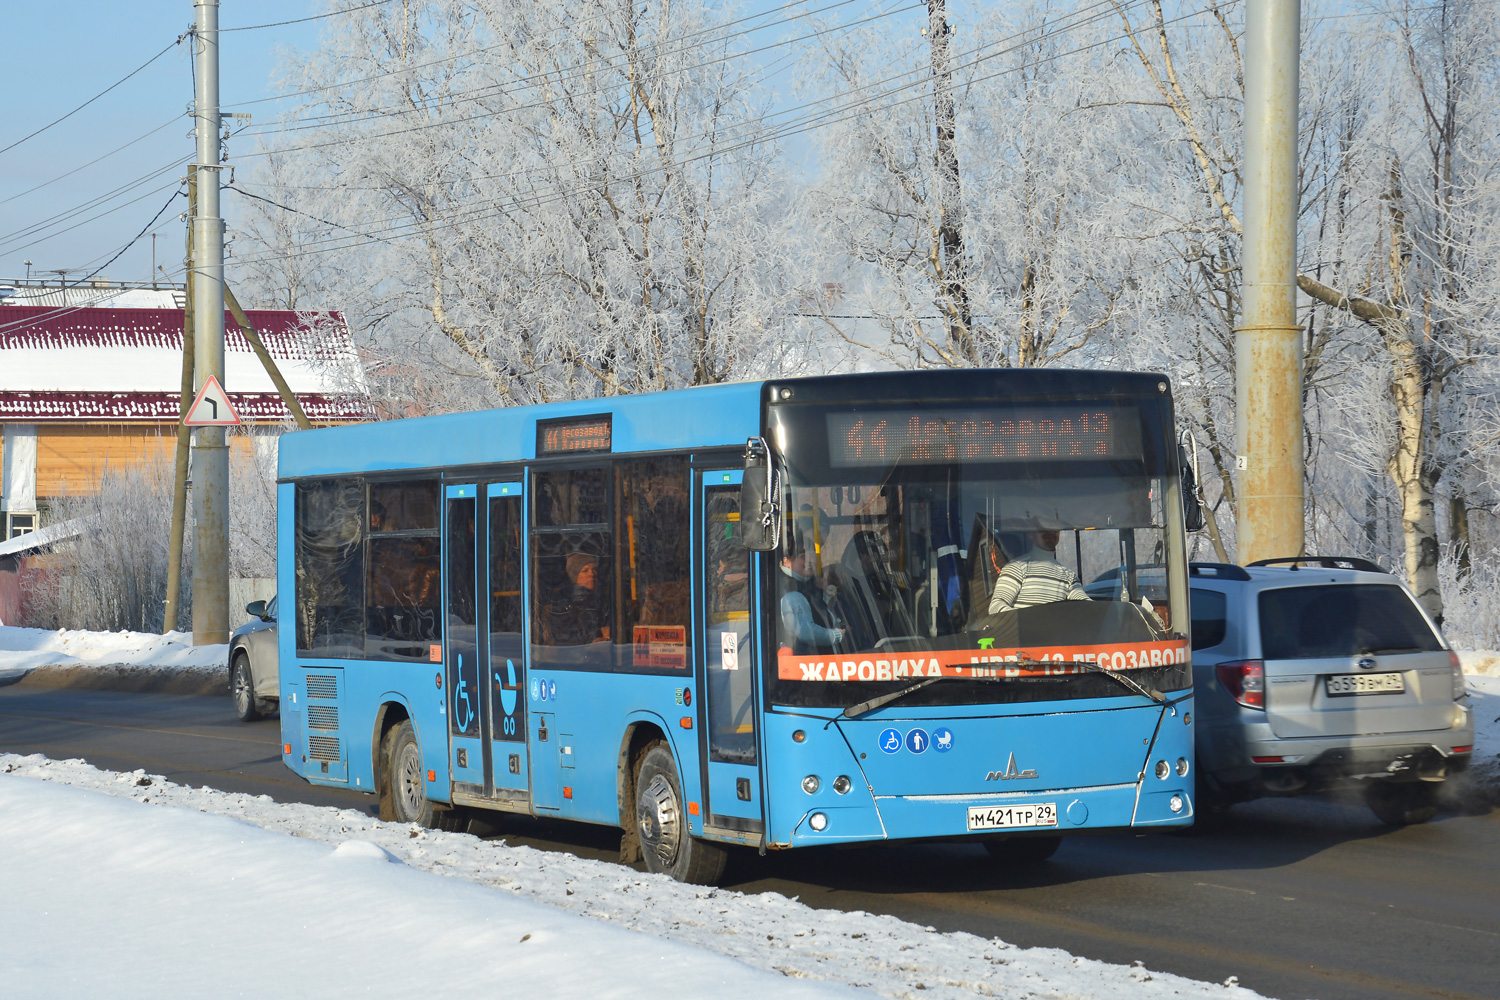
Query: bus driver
pixel 1036 577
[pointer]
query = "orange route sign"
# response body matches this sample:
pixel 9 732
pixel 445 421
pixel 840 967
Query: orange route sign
pixel 1039 661
pixel 212 407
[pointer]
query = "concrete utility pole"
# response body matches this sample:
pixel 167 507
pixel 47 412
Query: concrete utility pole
pixel 210 453
pixel 1268 342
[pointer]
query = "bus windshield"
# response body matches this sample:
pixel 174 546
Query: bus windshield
pixel 993 542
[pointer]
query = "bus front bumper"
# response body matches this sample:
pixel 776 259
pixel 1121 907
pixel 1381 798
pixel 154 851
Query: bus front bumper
pixel 986 816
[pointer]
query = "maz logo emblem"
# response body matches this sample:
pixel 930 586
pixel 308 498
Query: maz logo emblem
pixel 1010 773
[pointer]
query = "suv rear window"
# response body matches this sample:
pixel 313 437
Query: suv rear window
pixel 1341 620
pixel 1209 617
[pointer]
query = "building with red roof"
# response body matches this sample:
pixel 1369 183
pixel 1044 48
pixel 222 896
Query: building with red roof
pixel 90 377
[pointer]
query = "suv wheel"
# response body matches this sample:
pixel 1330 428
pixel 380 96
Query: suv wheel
pixel 242 687
pixel 1402 803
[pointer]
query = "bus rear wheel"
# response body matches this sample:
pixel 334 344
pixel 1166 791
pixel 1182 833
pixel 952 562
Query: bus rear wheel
pixel 1023 850
pixel 406 783
pixel 661 819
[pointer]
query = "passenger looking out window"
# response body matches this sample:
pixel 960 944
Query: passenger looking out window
pixel 805 616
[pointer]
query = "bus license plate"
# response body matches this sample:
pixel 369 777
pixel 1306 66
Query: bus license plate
pixel 1345 684
pixel 1010 817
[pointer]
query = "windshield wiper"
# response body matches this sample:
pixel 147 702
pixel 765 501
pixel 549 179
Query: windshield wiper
pixel 1130 682
pixel 866 707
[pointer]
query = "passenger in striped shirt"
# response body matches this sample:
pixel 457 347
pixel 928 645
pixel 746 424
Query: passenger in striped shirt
pixel 1035 578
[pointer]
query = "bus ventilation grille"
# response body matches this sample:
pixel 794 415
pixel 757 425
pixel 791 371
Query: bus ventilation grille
pixel 322 686
pixel 322 716
pixel 323 747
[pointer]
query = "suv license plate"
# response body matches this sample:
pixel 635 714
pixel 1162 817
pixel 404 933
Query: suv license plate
pixel 1345 684
pixel 1010 817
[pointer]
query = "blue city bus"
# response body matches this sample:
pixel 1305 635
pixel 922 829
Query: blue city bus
pixel 836 610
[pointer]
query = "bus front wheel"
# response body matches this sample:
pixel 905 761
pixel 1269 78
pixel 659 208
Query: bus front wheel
pixel 661 819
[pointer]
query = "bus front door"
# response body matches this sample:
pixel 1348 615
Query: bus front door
pixel 728 702
pixel 506 673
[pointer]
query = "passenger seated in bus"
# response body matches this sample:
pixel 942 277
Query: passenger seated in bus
pixel 805 618
pixel 580 620
pixel 1036 577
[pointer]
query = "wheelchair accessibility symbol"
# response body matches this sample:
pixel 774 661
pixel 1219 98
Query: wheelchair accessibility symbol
pixel 890 741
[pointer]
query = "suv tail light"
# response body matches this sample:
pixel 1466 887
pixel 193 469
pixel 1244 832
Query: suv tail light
pixel 1458 675
pixel 1245 680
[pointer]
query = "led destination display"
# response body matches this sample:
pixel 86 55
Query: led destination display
pixel 992 434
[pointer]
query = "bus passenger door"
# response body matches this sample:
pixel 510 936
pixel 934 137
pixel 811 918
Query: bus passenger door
pixel 729 705
pixel 464 654
pixel 506 670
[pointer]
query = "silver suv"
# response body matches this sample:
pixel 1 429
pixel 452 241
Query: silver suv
pixel 253 677
pixel 1321 673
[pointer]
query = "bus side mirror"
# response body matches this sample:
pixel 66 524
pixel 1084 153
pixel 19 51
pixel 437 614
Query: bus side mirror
pixel 760 507
pixel 1192 500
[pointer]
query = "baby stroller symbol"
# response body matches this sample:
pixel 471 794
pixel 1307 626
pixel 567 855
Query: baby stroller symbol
pixel 942 740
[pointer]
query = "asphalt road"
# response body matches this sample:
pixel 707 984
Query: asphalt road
pixel 1297 898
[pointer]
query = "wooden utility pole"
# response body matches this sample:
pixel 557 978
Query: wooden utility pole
pixel 184 434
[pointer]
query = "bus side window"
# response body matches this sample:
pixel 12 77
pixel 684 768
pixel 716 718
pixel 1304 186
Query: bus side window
pixel 330 568
pixel 403 592
pixel 572 566
pixel 651 551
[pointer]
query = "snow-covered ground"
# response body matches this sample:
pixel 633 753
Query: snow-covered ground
pixel 1482 670
pixel 127 885
pixel 119 654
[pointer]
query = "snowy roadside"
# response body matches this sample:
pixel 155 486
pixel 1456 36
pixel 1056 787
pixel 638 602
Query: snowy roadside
pixel 127 660
pixel 767 932
pixel 1482 678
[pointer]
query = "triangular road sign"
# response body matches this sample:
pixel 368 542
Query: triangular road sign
pixel 212 407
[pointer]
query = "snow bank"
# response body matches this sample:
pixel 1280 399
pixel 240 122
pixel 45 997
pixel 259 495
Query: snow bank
pixel 115 899
pixel 1480 662
pixel 126 656
pixel 1484 701
pixel 105 897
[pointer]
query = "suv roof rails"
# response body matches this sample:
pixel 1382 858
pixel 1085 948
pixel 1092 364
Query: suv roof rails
pixel 1327 562
pixel 1224 571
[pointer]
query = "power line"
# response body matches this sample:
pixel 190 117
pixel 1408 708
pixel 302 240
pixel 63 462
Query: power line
pixel 563 74
pixel 303 20
pixel 805 124
pixel 68 213
pixel 95 160
pixel 91 100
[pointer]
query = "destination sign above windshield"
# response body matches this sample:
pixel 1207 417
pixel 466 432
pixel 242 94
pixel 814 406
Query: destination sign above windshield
pixel 1075 432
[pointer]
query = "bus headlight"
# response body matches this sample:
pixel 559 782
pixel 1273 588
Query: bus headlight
pixel 1163 769
pixel 818 822
pixel 811 784
pixel 1175 803
pixel 841 784
pixel 1182 767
